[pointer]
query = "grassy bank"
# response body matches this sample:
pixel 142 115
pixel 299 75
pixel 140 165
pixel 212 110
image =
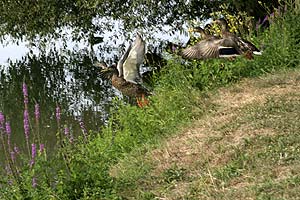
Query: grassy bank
pixel 114 164
pixel 179 98
pixel 247 146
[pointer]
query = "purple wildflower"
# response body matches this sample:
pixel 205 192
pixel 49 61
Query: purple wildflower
pixel 8 132
pixel 82 126
pixel 26 124
pixel 265 19
pixel 33 151
pixel 37 112
pixel 67 131
pixel 8 128
pixel 42 147
pixel 16 150
pixel 34 183
pixel 2 119
pixel 25 93
pixel 13 156
pixel 58 113
pixel 33 154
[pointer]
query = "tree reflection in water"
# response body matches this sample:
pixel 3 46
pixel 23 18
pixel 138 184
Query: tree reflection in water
pixel 66 78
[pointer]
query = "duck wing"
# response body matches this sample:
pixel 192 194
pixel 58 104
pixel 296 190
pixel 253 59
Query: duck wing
pixel 204 49
pixel 122 60
pixel 134 60
pixel 193 52
pixel 212 47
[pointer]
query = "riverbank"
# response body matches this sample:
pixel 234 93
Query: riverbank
pixel 246 147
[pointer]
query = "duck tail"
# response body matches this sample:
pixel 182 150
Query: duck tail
pixel 259 53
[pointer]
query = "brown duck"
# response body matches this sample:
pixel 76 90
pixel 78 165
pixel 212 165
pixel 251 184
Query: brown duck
pixel 210 47
pixel 125 76
pixel 241 45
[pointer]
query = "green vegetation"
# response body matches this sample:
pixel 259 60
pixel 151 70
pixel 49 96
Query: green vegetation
pixel 34 19
pixel 119 163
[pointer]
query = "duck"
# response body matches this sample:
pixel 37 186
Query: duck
pixel 210 46
pixel 125 75
pixel 244 47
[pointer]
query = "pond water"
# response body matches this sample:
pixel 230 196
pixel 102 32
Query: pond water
pixel 65 79
pixel 60 76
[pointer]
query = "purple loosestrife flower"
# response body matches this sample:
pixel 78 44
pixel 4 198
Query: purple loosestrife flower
pixel 26 124
pixel 33 151
pixel 8 128
pixel 67 131
pixel 2 119
pixel 34 183
pixel 8 132
pixel 58 113
pixel 42 148
pixel 33 154
pixel 37 112
pixel 16 150
pixel 25 94
pixel 13 156
pixel 265 19
pixel 82 126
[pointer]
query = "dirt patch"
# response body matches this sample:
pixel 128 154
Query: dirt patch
pixel 193 143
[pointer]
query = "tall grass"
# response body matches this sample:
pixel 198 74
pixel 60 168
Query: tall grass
pixel 82 168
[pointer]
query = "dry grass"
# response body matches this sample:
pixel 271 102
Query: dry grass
pixel 201 156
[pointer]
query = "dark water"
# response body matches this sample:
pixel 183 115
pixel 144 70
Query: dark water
pixel 54 78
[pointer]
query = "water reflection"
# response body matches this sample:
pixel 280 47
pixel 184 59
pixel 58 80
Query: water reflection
pixel 59 73
pixel 65 78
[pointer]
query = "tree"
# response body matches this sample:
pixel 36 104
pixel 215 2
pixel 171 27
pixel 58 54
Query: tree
pixel 41 18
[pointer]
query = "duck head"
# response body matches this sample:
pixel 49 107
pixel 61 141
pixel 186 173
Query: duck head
pixel 223 23
pixel 199 30
pixel 108 71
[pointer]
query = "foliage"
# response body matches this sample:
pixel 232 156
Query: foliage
pixel 81 170
pixel 38 19
pixel 239 22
